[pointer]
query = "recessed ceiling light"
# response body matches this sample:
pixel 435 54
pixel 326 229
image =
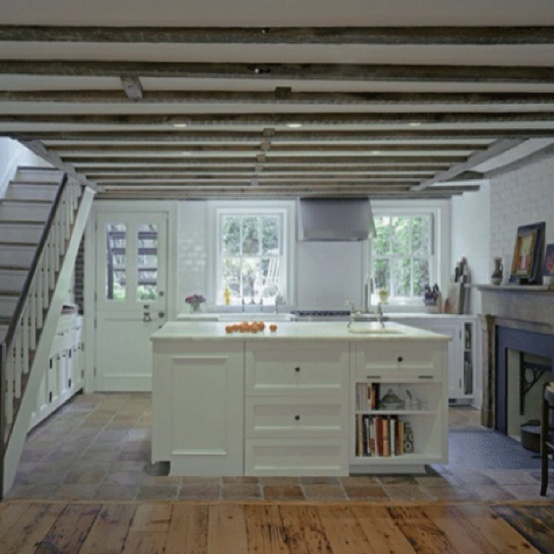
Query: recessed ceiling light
pixel 179 125
pixel 294 125
pixel 414 124
pixel 376 152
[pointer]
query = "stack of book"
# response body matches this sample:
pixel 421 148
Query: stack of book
pixel 383 436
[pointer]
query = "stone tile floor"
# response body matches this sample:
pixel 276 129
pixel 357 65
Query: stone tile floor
pixel 98 447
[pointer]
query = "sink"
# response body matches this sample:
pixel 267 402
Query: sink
pixel 256 316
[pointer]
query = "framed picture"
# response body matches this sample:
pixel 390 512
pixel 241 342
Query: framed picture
pixel 527 254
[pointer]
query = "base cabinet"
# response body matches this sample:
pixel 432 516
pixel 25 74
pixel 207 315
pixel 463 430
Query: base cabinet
pixel 462 352
pixel 298 407
pixel 64 375
pixel 197 408
pixel 296 419
pixel 399 407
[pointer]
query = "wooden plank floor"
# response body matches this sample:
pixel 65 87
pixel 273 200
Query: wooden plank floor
pixel 265 528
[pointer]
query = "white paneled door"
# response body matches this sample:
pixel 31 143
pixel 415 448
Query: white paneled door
pixel 131 300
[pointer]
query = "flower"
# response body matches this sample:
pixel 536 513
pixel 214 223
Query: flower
pixel 195 299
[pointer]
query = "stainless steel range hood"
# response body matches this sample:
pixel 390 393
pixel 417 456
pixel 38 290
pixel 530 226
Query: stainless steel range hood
pixel 335 219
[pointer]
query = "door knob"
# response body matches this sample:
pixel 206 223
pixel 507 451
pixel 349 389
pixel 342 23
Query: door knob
pixel 161 314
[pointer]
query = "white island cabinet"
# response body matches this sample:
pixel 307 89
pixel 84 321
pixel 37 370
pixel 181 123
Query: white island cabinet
pixel 297 401
pixel 197 406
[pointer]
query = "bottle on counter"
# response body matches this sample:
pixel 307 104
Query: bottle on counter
pixel 226 296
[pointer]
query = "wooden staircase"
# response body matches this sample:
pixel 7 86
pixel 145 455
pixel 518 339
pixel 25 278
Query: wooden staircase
pixel 23 213
pixel 42 219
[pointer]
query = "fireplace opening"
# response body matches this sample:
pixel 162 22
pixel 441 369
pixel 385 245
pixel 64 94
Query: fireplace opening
pixel 526 375
pixel 524 362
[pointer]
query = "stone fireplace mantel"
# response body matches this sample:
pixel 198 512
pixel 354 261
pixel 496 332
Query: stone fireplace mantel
pixel 522 308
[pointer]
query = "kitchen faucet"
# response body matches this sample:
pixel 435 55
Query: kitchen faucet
pixel 366 314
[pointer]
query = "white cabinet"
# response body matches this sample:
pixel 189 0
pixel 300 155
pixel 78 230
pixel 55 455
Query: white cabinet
pixel 64 373
pixel 408 433
pixel 296 414
pixel 292 404
pixel 197 407
pixel 462 352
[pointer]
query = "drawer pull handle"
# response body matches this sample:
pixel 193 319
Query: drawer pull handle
pixel 400 358
pixel 425 376
pixel 297 369
pixel 373 377
pixel 296 418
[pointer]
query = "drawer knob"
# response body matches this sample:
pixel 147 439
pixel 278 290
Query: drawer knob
pixel 296 418
pixel 400 358
pixel 297 369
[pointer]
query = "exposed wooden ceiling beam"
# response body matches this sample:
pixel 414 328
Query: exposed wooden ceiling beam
pixel 281 35
pixel 268 180
pixel 335 135
pixel 494 150
pixel 408 149
pixel 301 72
pixel 206 162
pixel 171 191
pixel 366 99
pixel 260 119
pixel 291 175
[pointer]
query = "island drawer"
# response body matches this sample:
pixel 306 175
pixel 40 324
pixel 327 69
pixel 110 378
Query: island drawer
pixel 296 417
pixel 296 457
pixel 414 360
pixel 296 368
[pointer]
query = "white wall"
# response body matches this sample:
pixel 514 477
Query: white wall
pixel 192 252
pixel 484 223
pixel 470 238
pixel 520 197
pixel 12 155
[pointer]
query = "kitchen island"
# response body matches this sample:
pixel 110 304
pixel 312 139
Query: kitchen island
pixel 308 399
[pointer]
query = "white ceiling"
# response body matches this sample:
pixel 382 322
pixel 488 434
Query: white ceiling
pixel 447 89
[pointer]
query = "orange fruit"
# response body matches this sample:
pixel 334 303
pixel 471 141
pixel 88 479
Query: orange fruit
pixel 273 327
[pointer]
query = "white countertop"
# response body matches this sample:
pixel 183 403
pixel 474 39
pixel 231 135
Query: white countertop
pixel 206 330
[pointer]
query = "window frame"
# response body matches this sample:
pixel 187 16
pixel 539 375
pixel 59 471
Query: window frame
pixel 285 211
pixel 439 210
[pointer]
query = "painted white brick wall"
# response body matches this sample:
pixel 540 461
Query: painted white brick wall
pixel 484 224
pixel 470 237
pixel 520 197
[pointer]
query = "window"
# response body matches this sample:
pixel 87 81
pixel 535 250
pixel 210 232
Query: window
pixel 402 256
pixel 252 257
pixel 119 281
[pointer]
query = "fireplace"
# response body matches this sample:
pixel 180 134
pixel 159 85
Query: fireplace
pixel 524 362
pixel 517 337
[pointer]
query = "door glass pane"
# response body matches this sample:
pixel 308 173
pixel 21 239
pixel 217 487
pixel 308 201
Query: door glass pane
pixel 147 262
pixel 116 260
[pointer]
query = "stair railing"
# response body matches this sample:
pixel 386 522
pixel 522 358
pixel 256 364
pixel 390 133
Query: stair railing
pixel 24 330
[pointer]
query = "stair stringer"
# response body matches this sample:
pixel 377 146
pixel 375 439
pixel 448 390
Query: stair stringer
pixel 14 448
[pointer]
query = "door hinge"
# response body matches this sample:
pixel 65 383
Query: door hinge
pixel 94 371
pixel 95 323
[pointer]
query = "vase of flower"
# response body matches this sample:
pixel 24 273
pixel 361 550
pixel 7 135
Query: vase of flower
pixel 195 302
